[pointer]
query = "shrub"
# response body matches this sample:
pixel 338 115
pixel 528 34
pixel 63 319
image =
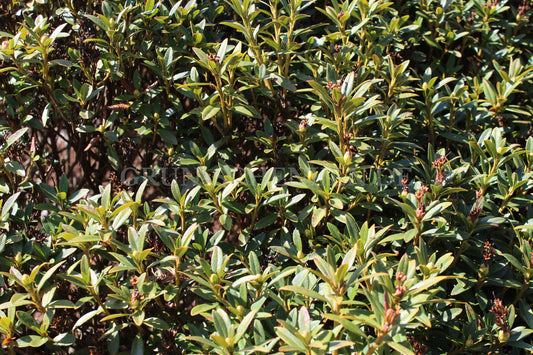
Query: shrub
pixel 282 176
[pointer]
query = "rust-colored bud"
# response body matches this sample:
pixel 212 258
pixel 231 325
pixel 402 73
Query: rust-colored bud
pixel 391 315
pixel 134 280
pixel 401 277
pixel 420 212
pixel 399 291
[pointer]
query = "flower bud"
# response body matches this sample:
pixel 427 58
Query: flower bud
pixel 26 280
pixel 469 343
pixel 305 334
pixel 214 279
pixel 503 336
pixel 483 271
pixel 391 315
pixel 240 310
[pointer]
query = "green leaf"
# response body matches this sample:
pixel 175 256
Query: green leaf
pixel 49 274
pixel 33 341
pixel 202 308
pixel 226 221
pixel 16 168
pixel 436 209
pixel 87 316
pixel 167 136
pixel 347 324
pixel 400 348
pixel 304 291
pixel 266 221
pixel 243 325
pixel 318 215
pixel 45 114
pixel 28 321
pixel 295 343
pixel 9 204
pixel 247 111
pixel 15 137
pixel 222 323
pixel 156 323
pixel 62 62
pixel 64 339
pixel 126 263
pixel 210 111
pixel 283 82
pixel 137 346
pixel 426 284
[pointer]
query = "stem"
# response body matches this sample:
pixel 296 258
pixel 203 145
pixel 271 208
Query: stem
pixel 98 300
pixel 226 114
pixel 377 343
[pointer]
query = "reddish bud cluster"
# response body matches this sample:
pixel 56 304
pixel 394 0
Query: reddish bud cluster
pixel 401 277
pixel 522 9
pixel 420 211
pixel 419 195
pixel 400 288
pixel 439 165
pixel 405 189
pixel 213 58
pixel 501 313
pixel 488 253
pixel 332 85
pixel 476 209
pixel 419 348
pixel 390 317
pixel 134 280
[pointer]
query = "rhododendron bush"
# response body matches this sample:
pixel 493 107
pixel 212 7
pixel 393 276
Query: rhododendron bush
pixel 277 176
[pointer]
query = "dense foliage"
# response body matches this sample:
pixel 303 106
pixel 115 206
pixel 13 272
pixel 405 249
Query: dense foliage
pixel 277 176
